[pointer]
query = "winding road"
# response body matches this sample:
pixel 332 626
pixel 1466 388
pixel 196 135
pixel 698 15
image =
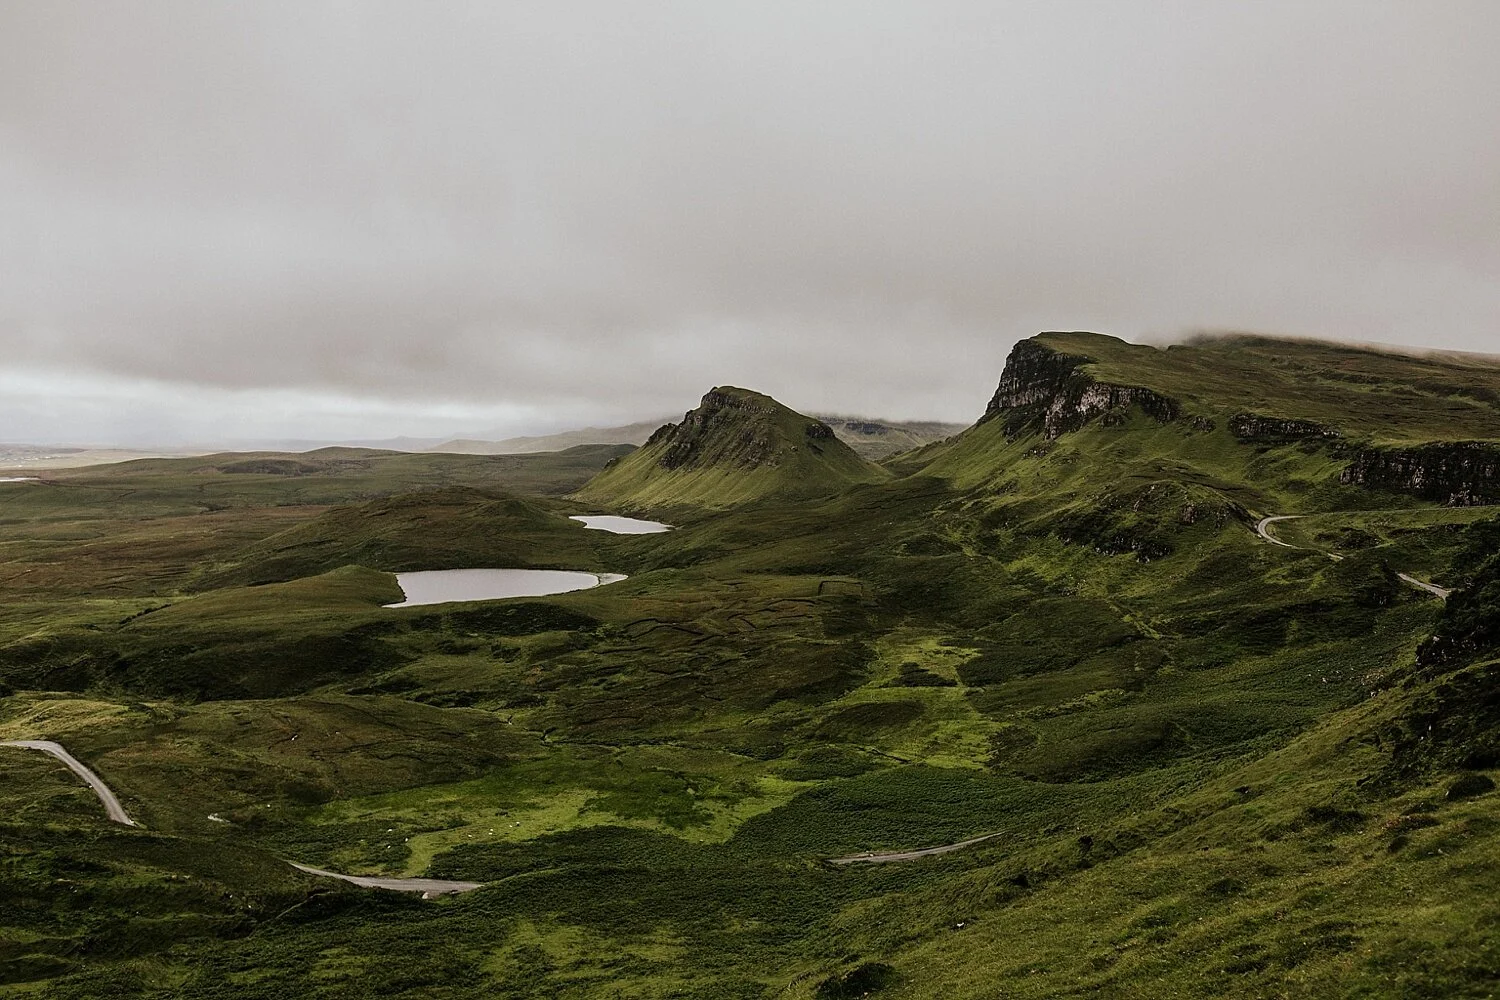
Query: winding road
pixel 1263 529
pixel 1442 593
pixel 876 859
pixel 428 887
pixel 111 803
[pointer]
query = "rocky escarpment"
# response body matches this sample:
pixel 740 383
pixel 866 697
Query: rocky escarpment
pixel 1254 427
pixel 1046 390
pixel 1460 473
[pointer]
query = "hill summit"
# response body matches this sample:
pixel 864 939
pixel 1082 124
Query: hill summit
pixel 737 445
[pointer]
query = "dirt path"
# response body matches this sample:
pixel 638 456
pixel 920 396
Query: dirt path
pixel 428 887
pixel 111 804
pixel 1432 588
pixel 927 852
pixel 1263 529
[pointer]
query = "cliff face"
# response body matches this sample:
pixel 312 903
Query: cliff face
pixel 1254 427
pixel 1461 473
pixel 1042 389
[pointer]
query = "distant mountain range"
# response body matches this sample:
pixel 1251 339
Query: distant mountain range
pixel 635 434
pixel 871 439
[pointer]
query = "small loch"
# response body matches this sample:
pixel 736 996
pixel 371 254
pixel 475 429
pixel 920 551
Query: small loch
pixel 442 586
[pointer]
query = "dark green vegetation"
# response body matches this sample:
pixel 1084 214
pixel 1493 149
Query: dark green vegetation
pixel 1217 767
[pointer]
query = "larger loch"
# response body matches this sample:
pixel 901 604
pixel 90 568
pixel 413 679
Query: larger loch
pixel 443 586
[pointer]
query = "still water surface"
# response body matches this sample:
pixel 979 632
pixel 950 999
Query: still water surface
pixel 439 586
pixel 622 525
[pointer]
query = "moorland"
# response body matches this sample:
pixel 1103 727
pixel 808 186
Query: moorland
pixel 1201 764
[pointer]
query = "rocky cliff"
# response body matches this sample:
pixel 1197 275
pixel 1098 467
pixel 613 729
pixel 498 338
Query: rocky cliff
pixel 1460 473
pixel 1046 390
pixel 1254 427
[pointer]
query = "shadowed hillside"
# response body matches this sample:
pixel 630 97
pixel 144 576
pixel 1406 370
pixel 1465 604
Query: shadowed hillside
pixel 736 446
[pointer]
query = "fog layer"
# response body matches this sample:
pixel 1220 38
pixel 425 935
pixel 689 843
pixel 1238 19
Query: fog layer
pixel 368 219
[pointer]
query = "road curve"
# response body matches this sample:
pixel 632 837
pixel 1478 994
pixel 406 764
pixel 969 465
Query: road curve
pixel 1442 593
pixel 1266 522
pixel 428 887
pixel 111 804
pixel 1263 530
pixel 877 859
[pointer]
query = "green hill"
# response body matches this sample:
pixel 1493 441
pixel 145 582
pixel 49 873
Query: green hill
pixel 736 446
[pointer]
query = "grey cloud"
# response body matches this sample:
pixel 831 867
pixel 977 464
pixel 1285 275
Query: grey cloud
pixel 595 211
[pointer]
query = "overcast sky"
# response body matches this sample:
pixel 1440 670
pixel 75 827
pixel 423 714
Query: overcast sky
pixel 360 219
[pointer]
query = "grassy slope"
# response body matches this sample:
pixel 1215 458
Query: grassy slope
pixel 1208 757
pixel 744 446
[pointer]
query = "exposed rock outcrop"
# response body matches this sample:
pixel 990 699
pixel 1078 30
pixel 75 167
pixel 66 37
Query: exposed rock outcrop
pixel 1046 390
pixel 1254 427
pixel 1460 473
pixel 728 418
